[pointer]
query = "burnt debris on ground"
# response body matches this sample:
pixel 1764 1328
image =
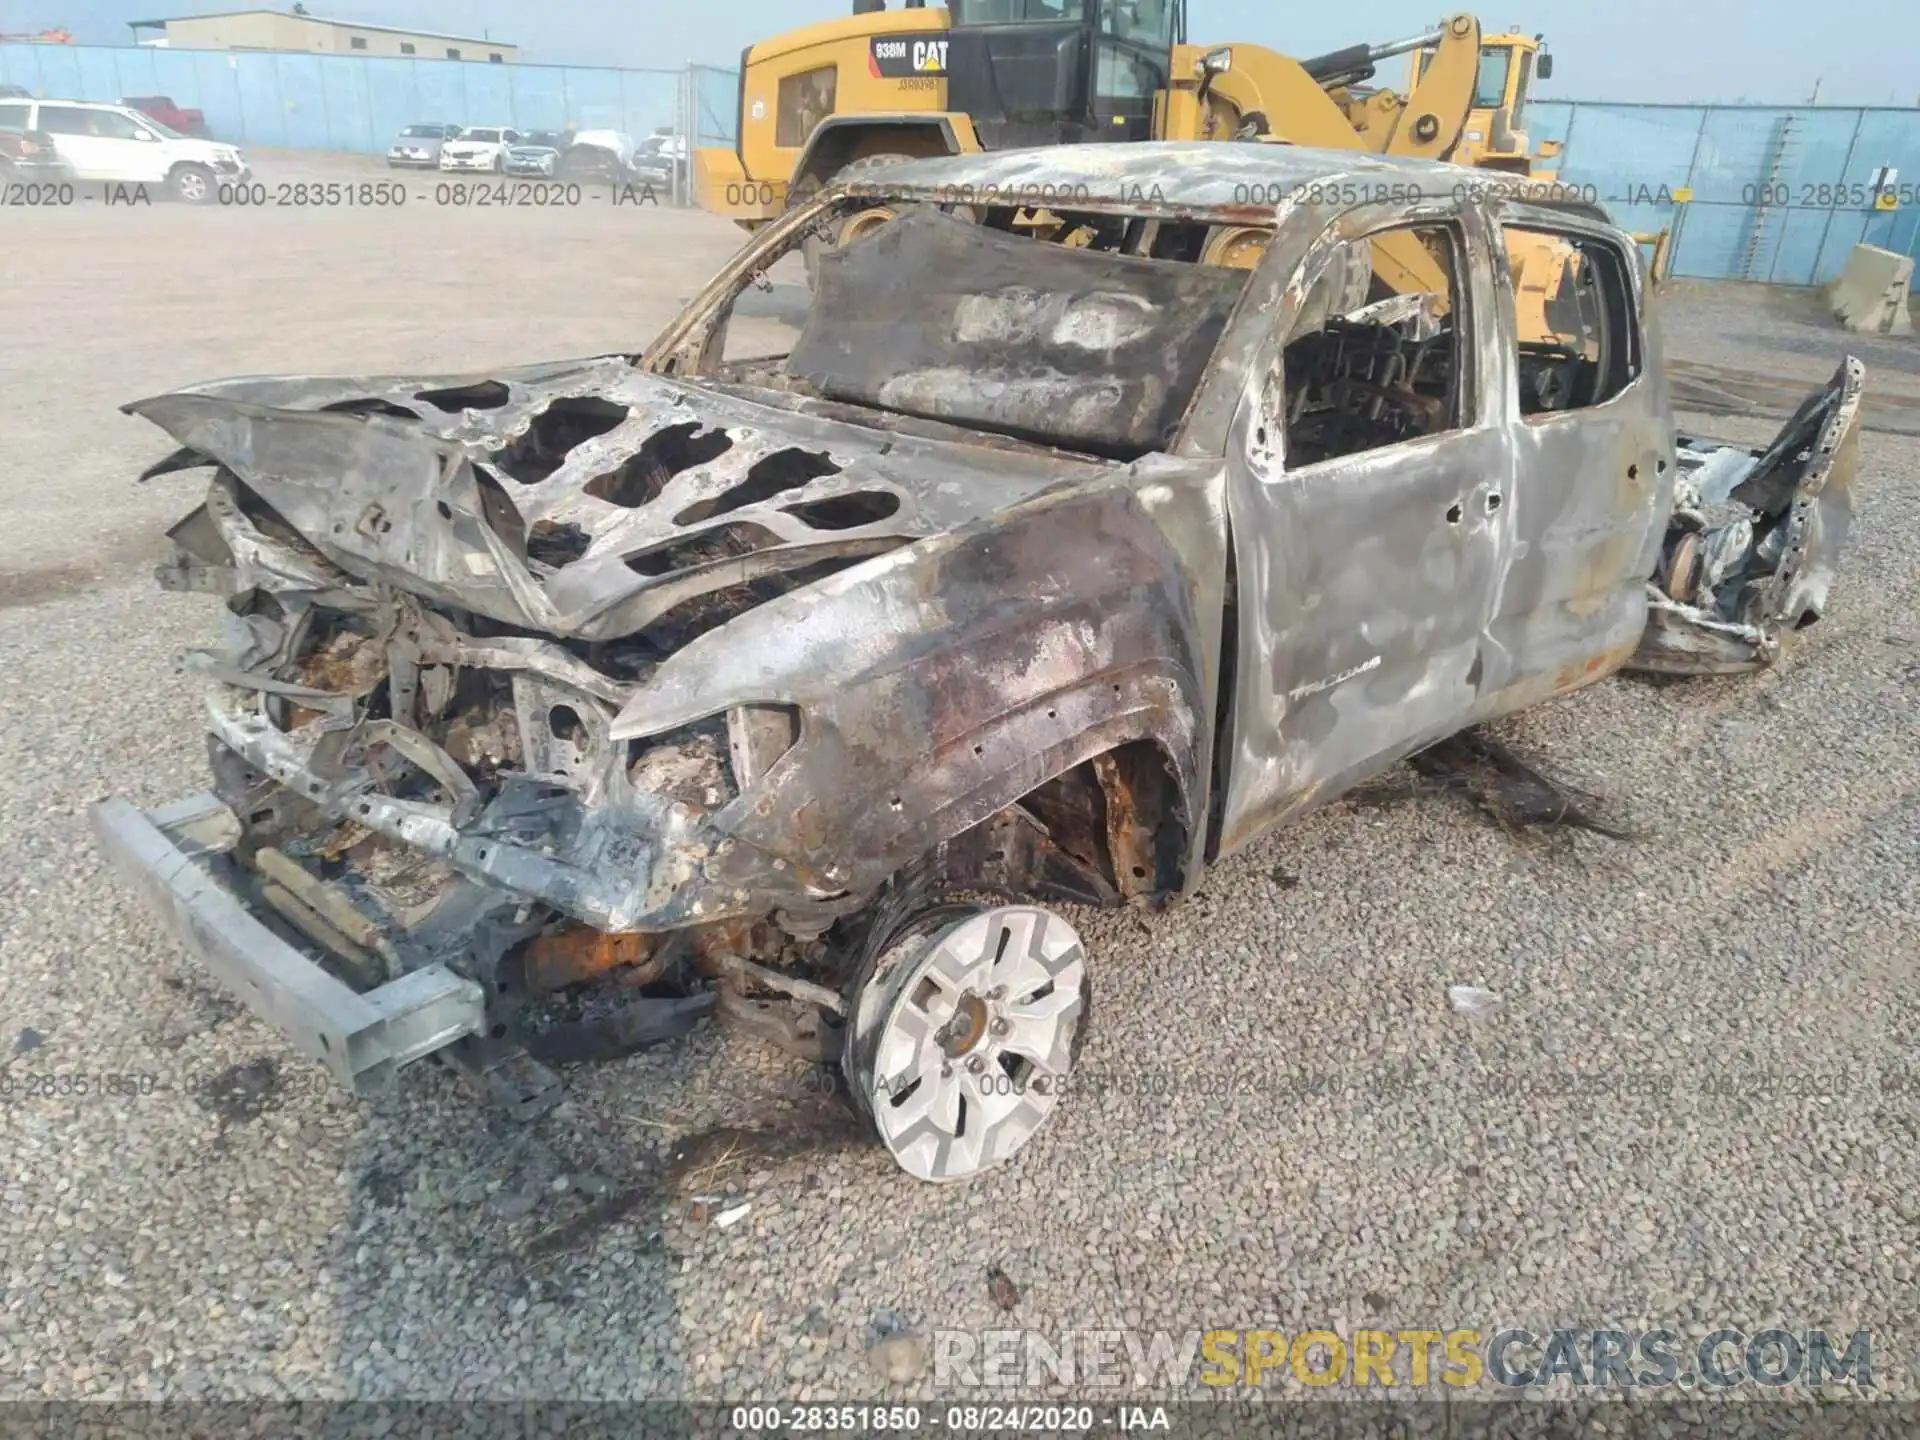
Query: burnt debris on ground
pixel 1499 784
pixel 704 1161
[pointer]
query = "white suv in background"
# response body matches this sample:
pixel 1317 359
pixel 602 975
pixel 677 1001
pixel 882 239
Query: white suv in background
pixel 478 147
pixel 115 144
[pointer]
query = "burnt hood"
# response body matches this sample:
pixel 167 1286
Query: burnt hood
pixel 585 498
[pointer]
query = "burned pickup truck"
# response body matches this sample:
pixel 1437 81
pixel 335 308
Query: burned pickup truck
pixel 794 688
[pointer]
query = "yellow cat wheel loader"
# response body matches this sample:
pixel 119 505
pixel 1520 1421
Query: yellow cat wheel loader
pixel 823 102
pixel 998 74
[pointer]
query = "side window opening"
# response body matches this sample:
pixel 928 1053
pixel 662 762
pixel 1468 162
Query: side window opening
pixel 1374 361
pixel 64 120
pixel 1579 340
pixel 1121 74
pixel 804 101
pixel 109 126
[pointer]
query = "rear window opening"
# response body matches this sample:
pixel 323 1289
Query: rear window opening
pixel 1574 295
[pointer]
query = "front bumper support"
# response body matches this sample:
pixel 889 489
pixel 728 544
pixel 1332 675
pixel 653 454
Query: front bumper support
pixel 363 1039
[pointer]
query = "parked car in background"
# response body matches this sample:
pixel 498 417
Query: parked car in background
pixel 599 155
pixel 26 154
pixel 161 107
pixel 658 158
pixel 478 147
pixel 538 153
pixel 15 92
pixel 419 145
pixel 116 144
pixel 29 155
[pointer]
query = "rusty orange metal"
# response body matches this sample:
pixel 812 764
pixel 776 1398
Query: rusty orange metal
pixel 567 957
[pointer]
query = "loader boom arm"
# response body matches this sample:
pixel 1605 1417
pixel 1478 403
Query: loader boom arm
pixel 1274 97
pixel 1304 102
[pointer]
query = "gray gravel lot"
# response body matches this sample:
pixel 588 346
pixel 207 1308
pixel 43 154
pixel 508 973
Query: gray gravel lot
pixel 1284 1124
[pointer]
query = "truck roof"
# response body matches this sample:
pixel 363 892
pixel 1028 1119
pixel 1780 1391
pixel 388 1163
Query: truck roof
pixel 1196 174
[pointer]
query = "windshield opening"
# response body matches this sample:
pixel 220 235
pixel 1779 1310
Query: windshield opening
pixel 1017 12
pixel 145 120
pixel 424 132
pixel 1073 346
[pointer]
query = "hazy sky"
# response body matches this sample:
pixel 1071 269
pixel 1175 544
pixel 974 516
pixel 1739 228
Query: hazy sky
pixel 1862 52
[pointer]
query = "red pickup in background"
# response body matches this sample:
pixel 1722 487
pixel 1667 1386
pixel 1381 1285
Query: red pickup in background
pixel 162 108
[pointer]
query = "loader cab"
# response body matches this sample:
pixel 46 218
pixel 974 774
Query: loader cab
pixel 1495 135
pixel 1052 72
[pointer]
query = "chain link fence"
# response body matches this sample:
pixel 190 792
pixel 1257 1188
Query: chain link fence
pixel 358 103
pixel 1771 194
pixel 1777 195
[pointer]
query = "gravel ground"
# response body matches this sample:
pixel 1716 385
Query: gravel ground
pixel 1291 1127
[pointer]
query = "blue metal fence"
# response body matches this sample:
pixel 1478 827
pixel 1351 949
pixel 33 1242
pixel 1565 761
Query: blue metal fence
pixel 359 102
pixel 1749 192
pixel 1778 194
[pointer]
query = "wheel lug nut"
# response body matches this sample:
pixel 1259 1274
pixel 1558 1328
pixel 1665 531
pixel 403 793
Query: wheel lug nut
pixel 976 1064
pixel 1000 1027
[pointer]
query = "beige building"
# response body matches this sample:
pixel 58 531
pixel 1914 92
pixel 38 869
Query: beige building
pixel 314 35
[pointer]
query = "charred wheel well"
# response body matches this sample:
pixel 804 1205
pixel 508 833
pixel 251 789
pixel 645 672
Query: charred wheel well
pixel 1121 815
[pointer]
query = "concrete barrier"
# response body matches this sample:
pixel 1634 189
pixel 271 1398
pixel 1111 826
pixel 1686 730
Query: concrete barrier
pixel 1871 293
